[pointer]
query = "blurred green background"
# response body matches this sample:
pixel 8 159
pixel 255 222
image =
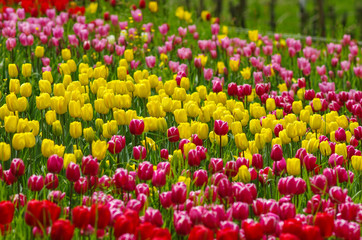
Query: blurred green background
pixel 340 16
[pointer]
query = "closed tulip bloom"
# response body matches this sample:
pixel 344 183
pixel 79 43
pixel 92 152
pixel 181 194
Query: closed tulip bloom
pixel 87 112
pixel 128 55
pixel 357 162
pixel 75 129
pixel 25 90
pixel 178 193
pixel 88 134
pixel 315 121
pixel 325 222
pixel 18 141
pixel 26 70
pixel 17 167
pixel 116 144
pixel 11 123
pixel 7 212
pixel 66 54
pixel 276 153
pixel 159 178
pixel 139 152
pixel 241 141
pixel 244 174
pixel 193 158
pixel 35 183
pixel 341 149
pixel 12 70
pixel 270 104
pixel 145 171
pixel 325 148
pixel 51 181
pixel 221 127
pixel 90 166
pixel 39 51
pixel 340 135
pixel 173 134
pixel 80 216
pixel 99 149
pixel 293 166
pixel 100 216
pixel 240 210
pixel 55 164
pixel 5 151
pixel 75 109
pixel 62 229
pixel 136 126
pixel 73 172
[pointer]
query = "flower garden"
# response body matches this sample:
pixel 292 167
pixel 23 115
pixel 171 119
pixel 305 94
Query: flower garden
pixel 119 123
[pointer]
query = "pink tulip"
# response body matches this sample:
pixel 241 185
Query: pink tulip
pixel 35 183
pixel 55 164
pixel 182 223
pixel 150 61
pixel 17 167
pixel 145 171
pixel 139 152
pixel 165 199
pixel 51 181
pixel 178 193
pixel 116 144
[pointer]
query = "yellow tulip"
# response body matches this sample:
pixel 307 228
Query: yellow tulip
pixel 99 149
pixel 293 166
pixel 5 151
pixel 75 129
pixel 47 147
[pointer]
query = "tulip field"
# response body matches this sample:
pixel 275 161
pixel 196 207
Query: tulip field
pixel 119 122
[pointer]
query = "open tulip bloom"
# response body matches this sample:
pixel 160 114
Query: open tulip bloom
pixel 132 126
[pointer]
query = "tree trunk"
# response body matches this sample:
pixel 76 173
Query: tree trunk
pixel 303 17
pixel 218 9
pixel 322 25
pixel 272 15
pixel 242 7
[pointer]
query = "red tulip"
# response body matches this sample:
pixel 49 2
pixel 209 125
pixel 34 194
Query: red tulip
pixel 227 233
pixel 116 144
pixel 62 230
pixel 73 172
pixel 200 232
pixel 124 224
pixel 55 164
pixel 165 199
pixel 9 178
pixel 41 213
pixel 35 183
pixel 6 212
pixel 164 154
pixel 182 223
pixel 100 216
pixel 221 127
pixel 136 126
pixel 139 152
pixel 193 158
pixel 81 186
pixel 173 134
pixel 325 222
pixel 159 178
pixel 145 171
pixel 90 166
pixel 240 210
pixel 178 193
pixel 311 232
pixel 153 216
pixel 276 153
pixel 253 231
pixel 17 167
pixel 293 226
pixel 51 181
pixel 80 216
pixel 200 177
